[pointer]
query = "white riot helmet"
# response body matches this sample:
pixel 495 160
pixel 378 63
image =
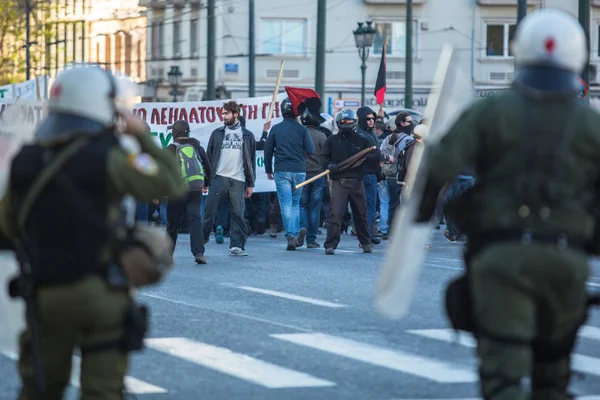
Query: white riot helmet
pixel 552 38
pixel 85 99
pixel 329 123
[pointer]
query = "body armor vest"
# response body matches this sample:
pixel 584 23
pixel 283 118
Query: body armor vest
pixel 65 243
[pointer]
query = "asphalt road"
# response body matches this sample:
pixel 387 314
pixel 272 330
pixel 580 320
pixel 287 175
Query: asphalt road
pixel 301 325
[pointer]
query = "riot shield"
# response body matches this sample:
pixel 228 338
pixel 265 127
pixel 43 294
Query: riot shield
pixel 17 126
pixel 452 92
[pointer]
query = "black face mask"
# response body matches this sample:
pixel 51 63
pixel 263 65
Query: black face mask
pixel 408 128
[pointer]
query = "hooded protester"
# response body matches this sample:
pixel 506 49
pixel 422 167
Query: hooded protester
pixel 346 184
pixel 311 199
pixel 197 175
pixel 366 122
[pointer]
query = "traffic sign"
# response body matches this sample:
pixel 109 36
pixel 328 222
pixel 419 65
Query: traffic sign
pixel 346 103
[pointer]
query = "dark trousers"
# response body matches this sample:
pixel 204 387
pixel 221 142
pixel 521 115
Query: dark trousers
pixel 311 202
pixel 370 183
pixel 222 188
pixel 189 204
pixel 275 214
pixel 342 191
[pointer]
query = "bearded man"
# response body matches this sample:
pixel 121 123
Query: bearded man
pixel 232 153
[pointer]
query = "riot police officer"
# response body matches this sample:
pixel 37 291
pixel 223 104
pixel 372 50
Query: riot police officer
pixel 70 225
pixel 530 216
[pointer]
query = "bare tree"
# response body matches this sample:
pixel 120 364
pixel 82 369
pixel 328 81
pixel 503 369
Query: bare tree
pixel 12 38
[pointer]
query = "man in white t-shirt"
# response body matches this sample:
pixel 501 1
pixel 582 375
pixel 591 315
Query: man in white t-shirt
pixel 232 153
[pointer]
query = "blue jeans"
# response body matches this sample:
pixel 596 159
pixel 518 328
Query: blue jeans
pixel 370 182
pixel 310 208
pixel 289 200
pixel 384 205
pixel 457 188
pixel 141 211
pixel 163 212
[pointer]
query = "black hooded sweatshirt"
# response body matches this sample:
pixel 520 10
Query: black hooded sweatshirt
pixel 371 166
pixel 182 138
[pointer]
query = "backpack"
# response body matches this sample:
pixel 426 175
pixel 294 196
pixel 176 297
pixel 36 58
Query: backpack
pixel 191 165
pixel 402 161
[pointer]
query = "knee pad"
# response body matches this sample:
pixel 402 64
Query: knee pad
pixel 459 307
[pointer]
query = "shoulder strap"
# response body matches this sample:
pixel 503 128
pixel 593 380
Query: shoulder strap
pixel 44 178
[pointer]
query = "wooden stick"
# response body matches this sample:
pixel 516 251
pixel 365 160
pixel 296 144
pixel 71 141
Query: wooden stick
pixel 37 88
pixel 275 93
pixel 314 178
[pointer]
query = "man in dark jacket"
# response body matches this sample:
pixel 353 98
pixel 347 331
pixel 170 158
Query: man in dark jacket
pixel 372 170
pixel 288 143
pixel 191 201
pixel 312 194
pixel 347 185
pixel 232 153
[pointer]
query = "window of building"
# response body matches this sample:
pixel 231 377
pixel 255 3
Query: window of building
pixel 128 53
pixel 176 39
pixel 194 37
pixel 139 59
pixel 498 38
pixel 98 56
pixel 158 39
pixel 284 36
pixel 395 34
pixel 154 39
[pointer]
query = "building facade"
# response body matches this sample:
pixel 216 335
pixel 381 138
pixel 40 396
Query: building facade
pixel 108 32
pixel 480 30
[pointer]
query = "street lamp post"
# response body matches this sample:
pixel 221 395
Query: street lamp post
pixel 174 77
pixel 364 37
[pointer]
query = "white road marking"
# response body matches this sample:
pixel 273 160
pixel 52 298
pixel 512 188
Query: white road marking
pixel 293 297
pixel 238 365
pixel 234 314
pixel 581 363
pixel 434 370
pixel 589 332
pixel 132 385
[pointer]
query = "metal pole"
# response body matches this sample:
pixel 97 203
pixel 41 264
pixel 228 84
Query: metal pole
pixel 174 94
pixel 27 39
pixel 321 36
pixel 521 10
pixel 408 90
pixel 363 69
pixel 251 52
pixel 210 51
pixel 473 42
pixel 584 20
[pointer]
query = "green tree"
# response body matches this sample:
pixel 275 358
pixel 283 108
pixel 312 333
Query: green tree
pixel 12 38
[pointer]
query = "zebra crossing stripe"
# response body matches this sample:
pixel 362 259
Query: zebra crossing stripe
pixel 580 363
pixel 434 370
pixel 132 385
pixel 238 365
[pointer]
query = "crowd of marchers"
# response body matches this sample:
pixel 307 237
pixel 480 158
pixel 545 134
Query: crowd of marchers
pixel 360 200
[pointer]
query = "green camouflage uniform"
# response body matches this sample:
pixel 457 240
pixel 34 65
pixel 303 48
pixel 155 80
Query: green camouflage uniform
pixel 529 219
pixel 89 311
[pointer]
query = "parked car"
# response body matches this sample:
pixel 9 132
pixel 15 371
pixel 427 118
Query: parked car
pixel 416 115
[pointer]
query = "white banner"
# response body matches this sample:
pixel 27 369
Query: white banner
pixel 25 90
pixel 204 117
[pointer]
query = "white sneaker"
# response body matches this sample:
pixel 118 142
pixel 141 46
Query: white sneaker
pixel 236 251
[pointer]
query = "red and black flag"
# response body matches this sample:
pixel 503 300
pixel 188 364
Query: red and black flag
pixel 303 99
pixel 380 85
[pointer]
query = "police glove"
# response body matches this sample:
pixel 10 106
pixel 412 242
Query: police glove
pixel 332 167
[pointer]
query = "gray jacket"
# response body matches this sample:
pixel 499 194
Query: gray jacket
pixel 213 151
pixel 313 167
